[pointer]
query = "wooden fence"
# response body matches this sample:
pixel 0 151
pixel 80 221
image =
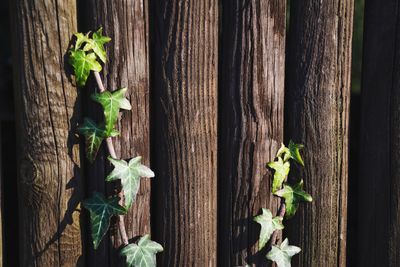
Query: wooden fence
pixel 216 87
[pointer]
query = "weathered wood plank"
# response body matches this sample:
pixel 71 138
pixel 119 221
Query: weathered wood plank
pixel 50 186
pixel 252 66
pixel 126 22
pixel 316 110
pixel 378 239
pixel 184 130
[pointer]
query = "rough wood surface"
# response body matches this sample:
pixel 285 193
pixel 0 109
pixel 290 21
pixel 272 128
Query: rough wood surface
pixel 378 239
pixel 184 126
pixel 252 66
pixel 316 110
pixel 126 22
pixel 50 187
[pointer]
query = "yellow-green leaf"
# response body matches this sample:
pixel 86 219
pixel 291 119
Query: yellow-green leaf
pixel 293 195
pixel 82 64
pixel 281 172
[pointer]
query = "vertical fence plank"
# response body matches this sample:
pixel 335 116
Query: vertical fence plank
pixel 126 22
pixel 316 110
pixel 48 157
pixel 250 131
pixel 379 171
pixel 184 127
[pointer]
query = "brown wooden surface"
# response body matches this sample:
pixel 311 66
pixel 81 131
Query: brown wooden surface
pixel 50 186
pixel 316 110
pixel 184 126
pixel 126 22
pixel 379 187
pixel 252 66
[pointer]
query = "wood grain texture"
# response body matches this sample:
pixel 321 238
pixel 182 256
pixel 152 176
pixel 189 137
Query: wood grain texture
pixel 316 113
pixel 252 66
pixel 184 130
pixel 126 22
pixel 379 170
pixel 50 187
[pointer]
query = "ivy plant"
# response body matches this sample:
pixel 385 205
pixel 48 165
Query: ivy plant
pixel 87 56
pixel 291 196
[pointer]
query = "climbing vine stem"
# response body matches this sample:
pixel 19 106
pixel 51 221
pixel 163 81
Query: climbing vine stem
pixel 86 56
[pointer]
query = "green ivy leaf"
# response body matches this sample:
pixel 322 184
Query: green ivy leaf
pixel 281 172
pixel 81 39
pixel 83 63
pixel 268 226
pixel 293 196
pixel 283 254
pixel 111 103
pixel 97 44
pixel 94 135
pixel 130 174
pixel 101 210
pixel 142 254
pixel 291 152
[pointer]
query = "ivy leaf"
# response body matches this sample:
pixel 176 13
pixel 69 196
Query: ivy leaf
pixel 281 172
pixel 293 196
pixel 111 103
pixel 97 44
pixel 291 152
pixel 81 39
pixel 94 135
pixel 83 63
pixel 268 226
pixel 142 254
pixel 130 174
pixel 101 210
pixel 283 254
pixel 295 152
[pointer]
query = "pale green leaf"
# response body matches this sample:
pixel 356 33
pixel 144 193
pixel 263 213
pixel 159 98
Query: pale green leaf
pixel 293 195
pixel 101 210
pixel 111 103
pixel 268 226
pixel 283 254
pixel 81 39
pixel 97 44
pixel 142 254
pixel 82 64
pixel 129 174
pixel 281 172
pixel 94 135
pixel 291 152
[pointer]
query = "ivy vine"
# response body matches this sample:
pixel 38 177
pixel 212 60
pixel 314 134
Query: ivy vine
pixel 291 196
pixel 86 56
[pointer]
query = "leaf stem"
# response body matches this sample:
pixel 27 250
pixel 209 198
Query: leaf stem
pixel 111 150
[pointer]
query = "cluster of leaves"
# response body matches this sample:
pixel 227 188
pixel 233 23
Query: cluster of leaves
pixel 85 56
pixel 292 195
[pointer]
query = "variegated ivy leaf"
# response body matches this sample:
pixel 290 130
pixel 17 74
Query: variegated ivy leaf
pixel 283 254
pixel 111 103
pixel 82 64
pixel 130 174
pixel 268 226
pixel 293 195
pixel 291 152
pixel 101 210
pixel 142 254
pixel 281 172
pixel 97 44
pixel 94 135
